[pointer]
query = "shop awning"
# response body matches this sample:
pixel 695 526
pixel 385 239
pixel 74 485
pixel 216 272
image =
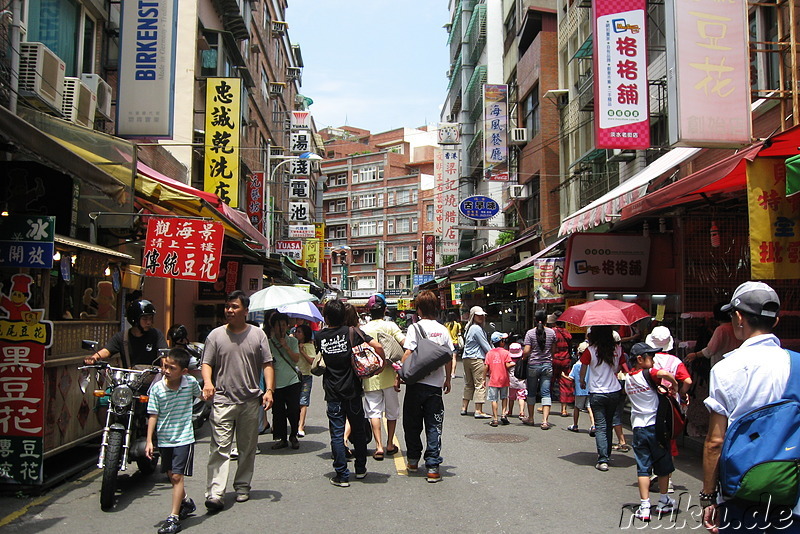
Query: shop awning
pixel 40 146
pixel 498 253
pixel 726 175
pixel 600 211
pixel 525 268
pixel 77 243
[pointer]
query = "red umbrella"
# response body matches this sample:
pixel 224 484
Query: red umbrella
pixel 604 312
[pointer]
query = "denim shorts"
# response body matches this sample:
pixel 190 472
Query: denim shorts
pixel 496 394
pixel 179 459
pixel 305 390
pixel 649 454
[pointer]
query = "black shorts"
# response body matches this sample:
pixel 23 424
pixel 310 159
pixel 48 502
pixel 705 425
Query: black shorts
pixel 177 459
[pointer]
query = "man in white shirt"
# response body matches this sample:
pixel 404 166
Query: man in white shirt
pixel 747 378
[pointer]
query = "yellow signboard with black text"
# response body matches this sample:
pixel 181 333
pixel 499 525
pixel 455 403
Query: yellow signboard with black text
pixel 223 114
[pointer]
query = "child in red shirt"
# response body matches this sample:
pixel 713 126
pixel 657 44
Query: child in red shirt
pixel 496 366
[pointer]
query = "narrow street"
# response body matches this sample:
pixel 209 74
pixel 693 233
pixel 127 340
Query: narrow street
pixel 507 479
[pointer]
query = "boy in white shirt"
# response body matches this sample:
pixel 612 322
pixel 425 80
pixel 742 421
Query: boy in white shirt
pixel 650 454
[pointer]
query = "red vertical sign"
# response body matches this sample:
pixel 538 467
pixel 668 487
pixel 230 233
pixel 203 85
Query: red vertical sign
pixel 23 341
pixel 255 200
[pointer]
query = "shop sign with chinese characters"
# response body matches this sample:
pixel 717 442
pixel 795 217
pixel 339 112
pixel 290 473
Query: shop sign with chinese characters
pixel 445 204
pixel 27 241
pixel 255 201
pixel 428 252
pixel 300 141
pixel 300 188
pixel 774 222
pixel 548 276
pixel 606 261
pixel 223 100
pixel 188 249
pixel 621 90
pixel 479 208
pixel 302 230
pixel 24 336
pixel 292 249
pixel 708 62
pixel 495 125
pixel 299 212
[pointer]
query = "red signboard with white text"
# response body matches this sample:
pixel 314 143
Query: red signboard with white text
pixel 621 95
pixel 188 249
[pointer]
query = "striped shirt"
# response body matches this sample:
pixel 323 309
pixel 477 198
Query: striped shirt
pixel 174 409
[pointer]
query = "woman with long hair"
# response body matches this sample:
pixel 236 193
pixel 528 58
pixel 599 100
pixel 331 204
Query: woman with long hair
pixel 476 345
pixel 604 357
pixel 538 348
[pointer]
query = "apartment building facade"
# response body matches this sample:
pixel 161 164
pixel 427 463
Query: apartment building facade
pixel 373 209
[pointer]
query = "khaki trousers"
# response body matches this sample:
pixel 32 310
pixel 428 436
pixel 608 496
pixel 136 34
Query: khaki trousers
pixel 225 420
pixel 473 380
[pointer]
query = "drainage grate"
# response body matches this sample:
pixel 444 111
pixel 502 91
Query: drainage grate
pixel 498 438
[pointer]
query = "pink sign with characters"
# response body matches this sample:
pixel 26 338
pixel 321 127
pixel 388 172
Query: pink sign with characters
pixel 621 94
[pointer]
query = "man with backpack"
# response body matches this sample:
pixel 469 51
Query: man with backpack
pixel 748 378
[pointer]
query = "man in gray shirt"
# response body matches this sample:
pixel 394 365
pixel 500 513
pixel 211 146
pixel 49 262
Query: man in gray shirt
pixel 235 357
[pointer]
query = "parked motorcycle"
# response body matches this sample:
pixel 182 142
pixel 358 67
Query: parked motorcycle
pixel 125 432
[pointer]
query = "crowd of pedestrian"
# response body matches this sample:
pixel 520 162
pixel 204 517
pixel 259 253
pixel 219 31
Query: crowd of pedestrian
pixel 247 369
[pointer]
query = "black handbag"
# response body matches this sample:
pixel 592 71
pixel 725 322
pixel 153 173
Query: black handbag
pixel 521 369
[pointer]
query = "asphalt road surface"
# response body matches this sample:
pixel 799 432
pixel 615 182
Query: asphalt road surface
pixel 514 479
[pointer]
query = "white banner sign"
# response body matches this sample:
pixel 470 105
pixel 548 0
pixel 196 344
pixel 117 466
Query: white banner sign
pixel 606 261
pixel 147 69
pixel 301 230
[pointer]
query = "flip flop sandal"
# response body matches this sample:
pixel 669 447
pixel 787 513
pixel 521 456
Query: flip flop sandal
pixel 546 426
pixel 390 452
pixel 378 456
pixel 624 448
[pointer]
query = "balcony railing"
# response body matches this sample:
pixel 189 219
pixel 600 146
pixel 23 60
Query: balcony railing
pixel 585 87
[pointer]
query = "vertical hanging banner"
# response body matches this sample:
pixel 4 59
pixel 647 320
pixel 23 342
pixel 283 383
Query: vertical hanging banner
pixel 428 253
pixel 451 163
pixel 774 222
pixel 24 336
pixel 548 276
pixel 255 200
pixel 708 65
pixel 223 103
pixel 438 188
pixel 495 128
pixel 300 141
pixel 188 249
pixel 311 254
pixel 146 88
pixel 621 94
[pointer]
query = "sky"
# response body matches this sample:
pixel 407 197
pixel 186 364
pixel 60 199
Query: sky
pixel 372 64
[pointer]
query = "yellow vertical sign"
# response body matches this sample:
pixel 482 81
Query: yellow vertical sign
pixel 311 254
pixel 774 223
pixel 223 114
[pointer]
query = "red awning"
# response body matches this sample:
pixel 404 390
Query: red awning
pixel 726 175
pixel 235 217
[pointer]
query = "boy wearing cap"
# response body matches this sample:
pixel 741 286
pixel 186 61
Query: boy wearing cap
pixel 746 379
pixel 650 455
pixel 495 374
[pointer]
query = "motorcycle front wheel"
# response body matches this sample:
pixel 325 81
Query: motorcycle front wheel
pixel 110 470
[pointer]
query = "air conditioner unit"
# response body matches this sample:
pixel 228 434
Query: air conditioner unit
pixel 293 73
pixel 519 136
pixel 356 253
pixel 103 91
pixel 279 27
pixel 276 88
pixel 517 191
pixel 79 102
pixel 41 76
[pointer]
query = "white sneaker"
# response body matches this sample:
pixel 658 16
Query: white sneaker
pixel 643 514
pixel 665 507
